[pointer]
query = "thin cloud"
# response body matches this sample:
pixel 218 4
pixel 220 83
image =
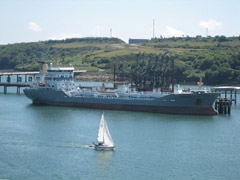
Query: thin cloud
pixel 171 32
pixel 34 27
pixel 210 24
pixel 62 35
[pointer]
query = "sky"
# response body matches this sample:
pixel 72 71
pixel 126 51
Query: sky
pixel 40 20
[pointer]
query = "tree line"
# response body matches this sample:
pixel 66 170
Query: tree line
pixel 215 59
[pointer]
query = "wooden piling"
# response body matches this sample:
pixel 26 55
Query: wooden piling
pixel 8 79
pixel 229 100
pixel 5 89
pixel 223 106
pixel 18 90
pixel 235 97
pixel 229 107
pixel 220 106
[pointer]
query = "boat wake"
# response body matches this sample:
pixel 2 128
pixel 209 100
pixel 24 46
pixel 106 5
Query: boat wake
pixel 78 146
pixel 48 144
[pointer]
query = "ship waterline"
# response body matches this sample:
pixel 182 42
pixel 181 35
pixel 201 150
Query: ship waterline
pixel 192 104
pixel 151 109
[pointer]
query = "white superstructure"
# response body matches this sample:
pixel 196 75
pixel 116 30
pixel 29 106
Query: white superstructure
pixel 58 78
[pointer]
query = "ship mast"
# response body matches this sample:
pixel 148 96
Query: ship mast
pixel 173 74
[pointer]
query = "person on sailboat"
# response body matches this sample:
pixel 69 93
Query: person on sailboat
pixel 100 143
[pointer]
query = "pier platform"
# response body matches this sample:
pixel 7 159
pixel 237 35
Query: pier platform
pixel 223 104
pixel 230 92
pixel 18 85
pixel 16 79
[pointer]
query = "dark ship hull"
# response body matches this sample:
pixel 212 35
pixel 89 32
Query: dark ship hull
pixel 197 103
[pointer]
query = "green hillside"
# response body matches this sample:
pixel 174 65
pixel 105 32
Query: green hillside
pixel 216 59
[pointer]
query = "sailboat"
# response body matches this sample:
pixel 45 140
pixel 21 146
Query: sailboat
pixel 104 139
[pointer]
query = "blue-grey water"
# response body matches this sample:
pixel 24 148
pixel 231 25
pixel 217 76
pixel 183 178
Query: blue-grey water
pixel 43 142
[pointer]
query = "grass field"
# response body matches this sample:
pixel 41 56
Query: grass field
pixel 194 57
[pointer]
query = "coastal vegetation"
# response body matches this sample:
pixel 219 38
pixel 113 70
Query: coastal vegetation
pixel 215 59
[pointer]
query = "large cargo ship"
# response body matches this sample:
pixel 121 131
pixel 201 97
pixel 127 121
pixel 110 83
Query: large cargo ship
pixel 57 87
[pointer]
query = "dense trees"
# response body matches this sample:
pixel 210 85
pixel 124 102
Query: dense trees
pixel 24 56
pixel 215 59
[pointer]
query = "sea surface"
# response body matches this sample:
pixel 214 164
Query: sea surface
pixel 52 143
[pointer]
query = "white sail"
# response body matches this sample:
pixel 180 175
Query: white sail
pixel 101 130
pixel 108 141
pixel 104 135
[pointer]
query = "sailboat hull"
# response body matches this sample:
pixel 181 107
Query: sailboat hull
pixel 104 148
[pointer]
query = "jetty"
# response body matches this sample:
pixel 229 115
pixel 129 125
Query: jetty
pixel 230 92
pixel 18 85
pixel 16 79
pixel 223 104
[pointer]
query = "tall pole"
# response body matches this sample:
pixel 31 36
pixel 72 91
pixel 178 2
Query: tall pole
pixel 173 74
pixel 114 75
pixel 110 32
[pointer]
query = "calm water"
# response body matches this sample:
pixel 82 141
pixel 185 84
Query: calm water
pixel 40 142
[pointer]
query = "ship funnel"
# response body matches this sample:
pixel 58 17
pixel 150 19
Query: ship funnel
pixel 43 70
